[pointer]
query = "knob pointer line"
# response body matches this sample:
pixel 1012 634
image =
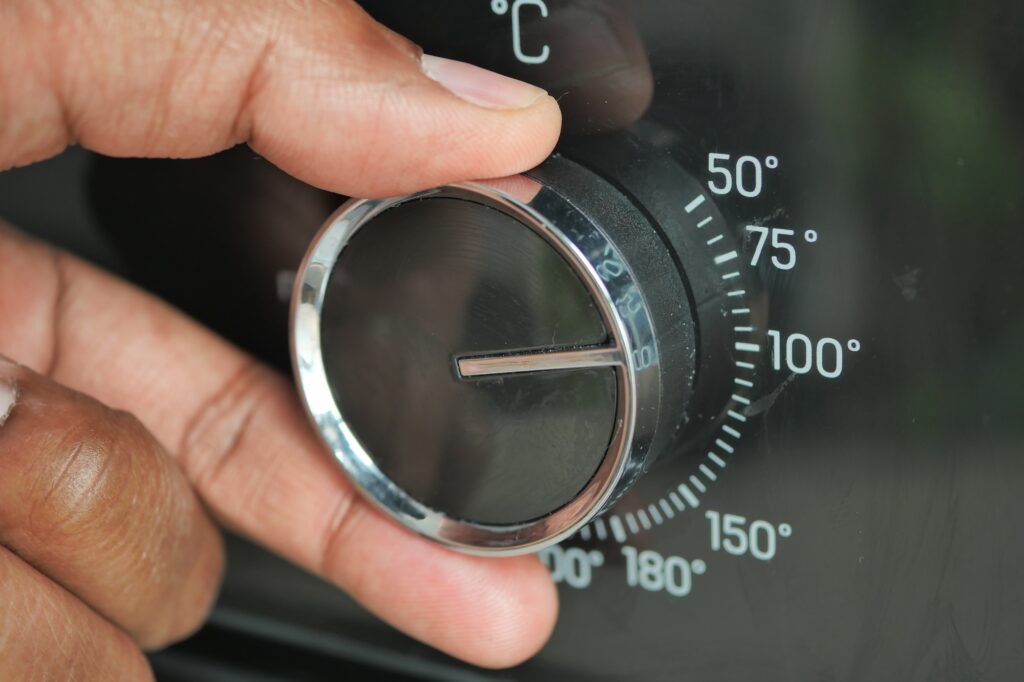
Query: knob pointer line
pixel 539 361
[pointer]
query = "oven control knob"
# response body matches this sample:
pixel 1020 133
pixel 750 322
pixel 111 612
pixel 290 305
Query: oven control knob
pixel 494 364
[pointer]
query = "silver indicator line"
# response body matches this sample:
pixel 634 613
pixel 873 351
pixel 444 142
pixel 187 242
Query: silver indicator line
pixel 697 201
pixel 688 495
pixel 519 363
pixel 617 530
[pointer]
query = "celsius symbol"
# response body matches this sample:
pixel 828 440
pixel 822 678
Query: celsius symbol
pixel 596 558
pixel 785 530
pixel 853 345
pixel 771 162
pixel 698 566
pixel 810 236
pixel 500 7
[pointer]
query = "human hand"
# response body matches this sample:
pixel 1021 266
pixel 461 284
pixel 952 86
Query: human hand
pixel 104 548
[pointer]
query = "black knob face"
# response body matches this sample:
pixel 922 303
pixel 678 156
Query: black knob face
pixel 493 364
pixel 428 283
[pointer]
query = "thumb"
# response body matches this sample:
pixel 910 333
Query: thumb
pixel 319 88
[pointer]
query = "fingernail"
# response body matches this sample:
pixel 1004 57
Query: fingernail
pixel 8 389
pixel 8 397
pixel 480 86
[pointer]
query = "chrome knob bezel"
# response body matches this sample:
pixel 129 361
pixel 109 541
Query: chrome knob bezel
pixel 631 350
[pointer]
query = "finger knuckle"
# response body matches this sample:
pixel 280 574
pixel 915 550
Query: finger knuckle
pixel 80 480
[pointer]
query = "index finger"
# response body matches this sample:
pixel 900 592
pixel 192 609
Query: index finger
pixel 319 88
pixel 238 432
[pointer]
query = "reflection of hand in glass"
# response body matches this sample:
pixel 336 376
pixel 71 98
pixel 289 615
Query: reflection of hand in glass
pixel 595 64
pixel 596 67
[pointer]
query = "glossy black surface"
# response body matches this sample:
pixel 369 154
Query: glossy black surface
pixel 433 280
pixel 900 133
pixel 898 130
